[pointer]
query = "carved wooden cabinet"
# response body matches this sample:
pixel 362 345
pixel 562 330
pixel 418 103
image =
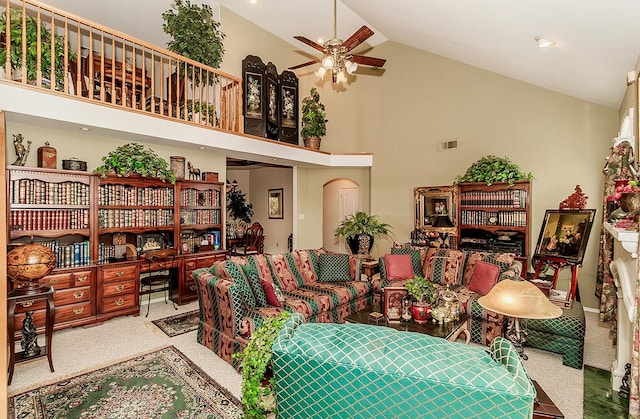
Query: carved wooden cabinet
pixel 118 288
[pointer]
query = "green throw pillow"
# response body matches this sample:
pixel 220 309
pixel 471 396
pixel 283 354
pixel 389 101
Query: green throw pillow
pixel 256 287
pixel 334 267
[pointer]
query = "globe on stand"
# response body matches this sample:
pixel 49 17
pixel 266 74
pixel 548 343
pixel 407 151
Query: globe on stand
pixel 26 264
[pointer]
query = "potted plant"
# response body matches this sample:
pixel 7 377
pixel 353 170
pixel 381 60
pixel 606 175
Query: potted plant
pixel 237 205
pixel 314 122
pixel 422 291
pixel 31 39
pixel 354 226
pixel 492 169
pixel 134 159
pixel 255 361
pixel 195 35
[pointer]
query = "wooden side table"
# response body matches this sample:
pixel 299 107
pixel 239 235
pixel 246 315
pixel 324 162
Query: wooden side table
pixel 543 406
pixel 14 298
pixel 370 268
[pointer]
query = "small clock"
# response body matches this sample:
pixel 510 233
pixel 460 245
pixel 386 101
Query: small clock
pixel 492 220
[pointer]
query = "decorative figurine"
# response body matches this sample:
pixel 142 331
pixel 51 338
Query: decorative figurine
pixel 21 151
pixel 29 341
pixel 194 172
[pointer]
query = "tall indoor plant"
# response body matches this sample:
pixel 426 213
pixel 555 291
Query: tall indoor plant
pixel 31 39
pixel 314 122
pixel 359 224
pixel 195 34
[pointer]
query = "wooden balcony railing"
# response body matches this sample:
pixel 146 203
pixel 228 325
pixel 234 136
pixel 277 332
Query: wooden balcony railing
pixel 63 53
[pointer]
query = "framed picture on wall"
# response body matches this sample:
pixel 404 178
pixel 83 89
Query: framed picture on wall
pixel 275 203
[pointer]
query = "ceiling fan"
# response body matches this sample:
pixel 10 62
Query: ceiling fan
pixel 337 57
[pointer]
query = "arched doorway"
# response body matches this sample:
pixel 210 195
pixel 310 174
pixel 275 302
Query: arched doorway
pixel 340 197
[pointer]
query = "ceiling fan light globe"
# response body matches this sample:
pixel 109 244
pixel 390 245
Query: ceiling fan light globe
pixel 320 72
pixel 351 66
pixel 341 77
pixel 327 62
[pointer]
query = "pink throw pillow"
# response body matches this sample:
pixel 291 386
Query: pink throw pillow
pixel 485 276
pixel 398 266
pixel 273 293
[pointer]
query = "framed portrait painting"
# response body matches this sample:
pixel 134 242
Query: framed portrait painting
pixel 275 203
pixel 565 234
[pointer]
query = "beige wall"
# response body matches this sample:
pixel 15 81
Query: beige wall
pixel 423 99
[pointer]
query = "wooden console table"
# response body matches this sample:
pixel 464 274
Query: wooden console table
pixel 14 298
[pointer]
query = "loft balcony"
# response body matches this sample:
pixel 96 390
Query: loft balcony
pixel 60 63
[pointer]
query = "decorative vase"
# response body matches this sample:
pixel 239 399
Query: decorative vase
pixel 360 244
pixel 630 202
pixel 421 312
pixel 312 143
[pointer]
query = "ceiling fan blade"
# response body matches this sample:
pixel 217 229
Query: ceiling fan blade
pixel 357 38
pixel 372 61
pixel 305 64
pixel 310 43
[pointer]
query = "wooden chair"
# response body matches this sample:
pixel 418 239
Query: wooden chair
pixel 253 243
pixel 161 275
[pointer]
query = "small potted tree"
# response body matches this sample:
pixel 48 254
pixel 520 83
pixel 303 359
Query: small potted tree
pixel 314 122
pixel 360 230
pixel 422 291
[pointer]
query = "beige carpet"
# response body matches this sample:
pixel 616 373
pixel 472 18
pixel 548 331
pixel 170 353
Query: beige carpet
pixel 80 349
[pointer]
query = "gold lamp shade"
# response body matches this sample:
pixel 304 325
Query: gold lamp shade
pixel 521 299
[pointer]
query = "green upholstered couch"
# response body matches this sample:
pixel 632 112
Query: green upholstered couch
pixel 366 371
pixel 454 269
pixel 232 305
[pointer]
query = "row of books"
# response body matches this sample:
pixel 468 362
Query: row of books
pixel 69 255
pixel 132 196
pixel 49 219
pixel 194 197
pixel 200 217
pixel 510 198
pixel 39 192
pixel 502 218
pixel 116 218
pixel 105 252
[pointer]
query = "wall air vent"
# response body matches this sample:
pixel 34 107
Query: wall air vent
pixel 447 145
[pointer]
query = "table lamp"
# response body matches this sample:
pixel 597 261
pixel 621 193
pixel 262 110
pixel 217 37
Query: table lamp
pixel 519 299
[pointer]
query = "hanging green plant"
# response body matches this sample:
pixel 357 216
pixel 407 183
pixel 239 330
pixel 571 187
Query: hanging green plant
pixel 257 399
pixel 491 169
pixel 133 158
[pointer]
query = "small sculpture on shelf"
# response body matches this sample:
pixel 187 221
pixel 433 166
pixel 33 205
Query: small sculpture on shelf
pixel 194 172
pixel 21 151
pixel 29 340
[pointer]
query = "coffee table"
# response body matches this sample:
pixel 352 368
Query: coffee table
pixel 449 331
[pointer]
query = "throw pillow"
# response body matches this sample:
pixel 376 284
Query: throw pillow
pixel 253 277
pixel 415 258
pixel 273 293
pixel 334 267
pixel 398 266
pixel 485 276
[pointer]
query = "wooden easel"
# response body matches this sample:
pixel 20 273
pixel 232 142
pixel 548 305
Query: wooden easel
pixel 557 264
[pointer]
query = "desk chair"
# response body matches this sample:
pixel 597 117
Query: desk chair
pixel 160 275
pixel 254 241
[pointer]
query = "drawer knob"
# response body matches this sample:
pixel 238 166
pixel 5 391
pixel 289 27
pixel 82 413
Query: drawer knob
pixel 27 303
pixel 120 273
pixel 78 310
pixel 83 278
pixel 54 281
pixel 78 294
pixel 119 302
pixel 120 288
pixel 192 287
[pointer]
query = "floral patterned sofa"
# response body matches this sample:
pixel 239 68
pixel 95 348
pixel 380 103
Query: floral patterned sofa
pixel 455 269
pixel 235 299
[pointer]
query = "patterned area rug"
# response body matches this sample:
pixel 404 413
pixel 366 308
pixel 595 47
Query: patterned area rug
pixel 600 401
pixel 178 324
pixel 160 384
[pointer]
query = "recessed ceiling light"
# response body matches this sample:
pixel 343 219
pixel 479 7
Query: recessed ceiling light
pixel 544 42
pixel 253 1
pixel 203 148
pixel 320 41
pixel 85 129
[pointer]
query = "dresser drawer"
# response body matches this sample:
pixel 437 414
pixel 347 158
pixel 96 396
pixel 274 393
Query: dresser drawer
pixel 73 312
pixel 205 262
pixel 72 296
pixel 117 288
pixel 190 264
pixel 119 273
pixel 189 289
pixel 119 302
pixel 24 306
pixel 68 279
